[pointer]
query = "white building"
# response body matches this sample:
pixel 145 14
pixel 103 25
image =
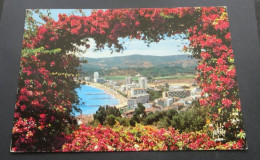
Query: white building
pixel 142 98
pixel 115 83
pixel 87 78
pixel 138 95
pixel 123 88
pixel 169 101
pixel 133 102
pixel 161 102
pixel 100 80
pixel 143 82
pixel 133 85
pixel 137 91
pixel 111 83
pixel 164 102
pixel 138 75
pixel 181 93
pixel 128 80
pixel 148 105
pixel 96 76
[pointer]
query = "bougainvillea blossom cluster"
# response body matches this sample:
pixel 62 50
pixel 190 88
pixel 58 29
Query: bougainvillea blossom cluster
pixel 141 138
pixel 43 108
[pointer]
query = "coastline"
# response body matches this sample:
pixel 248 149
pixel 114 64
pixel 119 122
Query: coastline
pixel 122 100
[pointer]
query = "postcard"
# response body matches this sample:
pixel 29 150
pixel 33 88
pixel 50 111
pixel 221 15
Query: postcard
pixel 132 79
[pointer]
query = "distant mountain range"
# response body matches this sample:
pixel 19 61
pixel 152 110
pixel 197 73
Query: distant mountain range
pixel 144 61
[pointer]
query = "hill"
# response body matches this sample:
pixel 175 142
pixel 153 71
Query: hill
pixel 149 66
pixel 134 61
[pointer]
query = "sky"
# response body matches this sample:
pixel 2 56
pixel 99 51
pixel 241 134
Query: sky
pixel 166 47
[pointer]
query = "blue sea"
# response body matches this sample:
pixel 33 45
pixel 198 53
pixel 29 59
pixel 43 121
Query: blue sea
pixel 91 98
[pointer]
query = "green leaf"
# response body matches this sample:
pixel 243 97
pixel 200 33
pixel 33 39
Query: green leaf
pixel 29 52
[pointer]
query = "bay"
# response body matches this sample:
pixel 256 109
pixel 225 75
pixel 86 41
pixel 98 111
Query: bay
pixel 92 98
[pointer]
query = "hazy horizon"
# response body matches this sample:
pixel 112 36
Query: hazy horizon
pixel 138 55
pixel 165 47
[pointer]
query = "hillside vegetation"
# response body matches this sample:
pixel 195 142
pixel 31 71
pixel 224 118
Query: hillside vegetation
pixel 148 66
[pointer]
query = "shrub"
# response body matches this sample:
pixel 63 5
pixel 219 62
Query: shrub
pixel 123 121
pixel 192 119
pixel 111 120
pixel 103 112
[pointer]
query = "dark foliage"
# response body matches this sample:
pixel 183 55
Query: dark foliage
pixel 104 112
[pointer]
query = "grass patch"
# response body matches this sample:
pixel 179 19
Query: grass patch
pixel 185 76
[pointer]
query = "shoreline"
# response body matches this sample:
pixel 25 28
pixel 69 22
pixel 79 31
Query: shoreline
pixel 122 101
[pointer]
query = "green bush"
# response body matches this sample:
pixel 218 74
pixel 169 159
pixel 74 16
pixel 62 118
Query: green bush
pixel 192 119
pixel 132 122
pixel 164 122
pixel 155 117
pixel 103 112
pixel 123 121
pixel 111 120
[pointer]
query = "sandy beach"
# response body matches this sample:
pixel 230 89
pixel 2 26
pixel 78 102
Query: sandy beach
pixel 122 100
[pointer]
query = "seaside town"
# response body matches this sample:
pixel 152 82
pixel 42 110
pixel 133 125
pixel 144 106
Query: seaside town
pixel 130 92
